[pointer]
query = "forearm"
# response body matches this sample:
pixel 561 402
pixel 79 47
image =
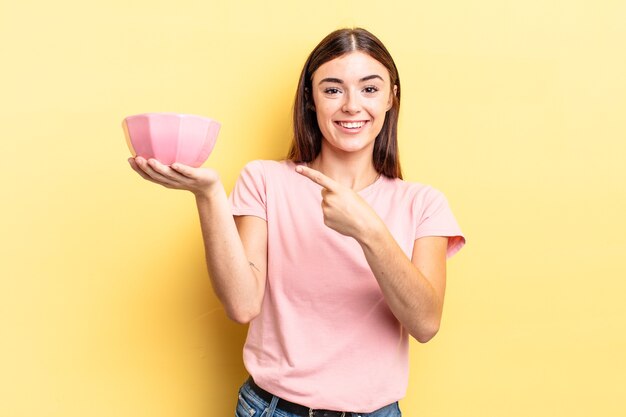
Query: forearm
pixel 235 283
pixel 409 294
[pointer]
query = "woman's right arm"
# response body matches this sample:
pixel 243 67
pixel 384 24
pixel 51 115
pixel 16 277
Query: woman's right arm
pixel 235 248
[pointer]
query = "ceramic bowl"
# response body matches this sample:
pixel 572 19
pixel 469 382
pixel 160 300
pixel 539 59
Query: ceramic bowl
pixel 171 137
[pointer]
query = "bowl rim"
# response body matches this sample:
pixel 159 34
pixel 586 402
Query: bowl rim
pixel 180 115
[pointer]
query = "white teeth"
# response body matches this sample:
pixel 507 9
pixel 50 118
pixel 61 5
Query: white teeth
pixel 352 125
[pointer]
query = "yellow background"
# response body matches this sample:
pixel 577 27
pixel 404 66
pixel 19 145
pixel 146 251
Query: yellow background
pixel 515 109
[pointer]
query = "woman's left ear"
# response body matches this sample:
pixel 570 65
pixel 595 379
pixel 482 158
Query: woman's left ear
pixel 391 97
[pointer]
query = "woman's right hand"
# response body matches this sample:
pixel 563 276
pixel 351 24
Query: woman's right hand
pixel 200 181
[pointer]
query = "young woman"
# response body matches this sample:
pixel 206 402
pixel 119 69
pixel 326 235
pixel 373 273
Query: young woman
pixel 331 257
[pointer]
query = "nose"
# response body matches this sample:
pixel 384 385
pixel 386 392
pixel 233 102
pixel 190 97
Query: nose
pixel 351 103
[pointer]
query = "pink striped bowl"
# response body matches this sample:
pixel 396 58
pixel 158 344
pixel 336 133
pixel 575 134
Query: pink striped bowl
pixel 171 137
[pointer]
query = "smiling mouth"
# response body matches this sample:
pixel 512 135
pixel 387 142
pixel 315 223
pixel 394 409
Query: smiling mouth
pixel 352 125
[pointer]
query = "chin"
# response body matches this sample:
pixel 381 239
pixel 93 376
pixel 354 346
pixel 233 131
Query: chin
pixel 353 148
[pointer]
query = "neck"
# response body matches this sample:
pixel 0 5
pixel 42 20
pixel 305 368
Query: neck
pixel 354 171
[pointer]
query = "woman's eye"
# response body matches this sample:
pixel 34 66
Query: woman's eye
pixel 331 90
pixel 370 89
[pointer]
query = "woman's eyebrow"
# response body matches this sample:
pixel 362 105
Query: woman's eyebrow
pixel 339 81
pixel 331 80
pixel 371 77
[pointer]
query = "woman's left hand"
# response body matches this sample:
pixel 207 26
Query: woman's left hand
pixel 344 210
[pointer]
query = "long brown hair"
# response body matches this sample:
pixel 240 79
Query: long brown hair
pixel 307 140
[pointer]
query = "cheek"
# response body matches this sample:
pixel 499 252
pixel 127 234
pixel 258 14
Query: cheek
pixel 378 109
pixel 322 122
pixel 324 114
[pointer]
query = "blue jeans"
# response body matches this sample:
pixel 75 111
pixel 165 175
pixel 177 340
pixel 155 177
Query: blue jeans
pixel 251 405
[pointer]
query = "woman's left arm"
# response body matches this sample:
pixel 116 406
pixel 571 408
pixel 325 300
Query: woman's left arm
pixel 413 288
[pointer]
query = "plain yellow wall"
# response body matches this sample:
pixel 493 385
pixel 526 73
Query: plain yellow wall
pixel 515 109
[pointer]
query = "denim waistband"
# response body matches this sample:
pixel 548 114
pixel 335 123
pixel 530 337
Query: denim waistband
pixel 293 408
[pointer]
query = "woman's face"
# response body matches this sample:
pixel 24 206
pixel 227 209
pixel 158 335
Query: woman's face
pixel 351 94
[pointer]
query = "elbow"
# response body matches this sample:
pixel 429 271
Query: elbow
pixel 242 316
pixel 425 337
pixel 426 333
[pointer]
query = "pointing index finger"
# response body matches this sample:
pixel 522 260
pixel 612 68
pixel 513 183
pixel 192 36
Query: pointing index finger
pixel 317 177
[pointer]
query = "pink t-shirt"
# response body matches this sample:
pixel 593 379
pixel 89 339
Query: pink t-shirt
pixel 325 337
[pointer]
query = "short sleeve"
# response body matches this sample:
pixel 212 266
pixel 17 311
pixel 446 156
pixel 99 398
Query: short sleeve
pixel 437 220
pixel 248 197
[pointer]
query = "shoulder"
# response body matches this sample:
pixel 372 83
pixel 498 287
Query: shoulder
pixel 422 200
pixel 269 167
pixel 415 191
pixel 264 174
pixel 281 173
